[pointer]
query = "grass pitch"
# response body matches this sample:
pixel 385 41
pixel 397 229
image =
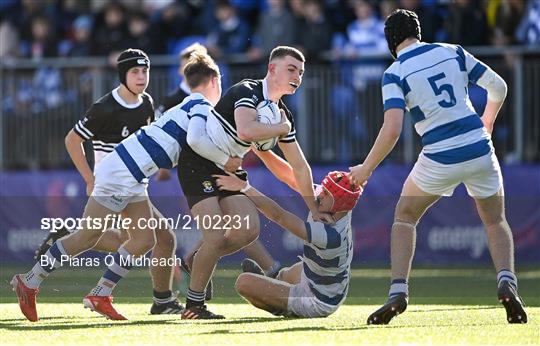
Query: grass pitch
pixel 449 306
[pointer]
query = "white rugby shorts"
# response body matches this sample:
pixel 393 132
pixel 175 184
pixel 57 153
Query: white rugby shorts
pixel 114 186
pixel 302 302
pixel 482 176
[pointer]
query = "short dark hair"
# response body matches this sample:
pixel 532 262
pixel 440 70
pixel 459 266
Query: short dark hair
pixel 199 69
pixel 283 51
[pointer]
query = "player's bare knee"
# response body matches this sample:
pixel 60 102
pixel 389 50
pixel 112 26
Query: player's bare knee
pixel 405 213
pixel 88 237
pixel 146 240
pixel 165 240
pixel 242 284
pixel 218 242
pixel 496 224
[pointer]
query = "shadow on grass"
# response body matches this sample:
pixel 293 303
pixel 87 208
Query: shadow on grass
pixel 457 308
pixel 23 325
pixel 334 329
pixel 62 323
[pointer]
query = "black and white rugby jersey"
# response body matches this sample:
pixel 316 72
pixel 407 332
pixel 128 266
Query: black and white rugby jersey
pixel 221 126
pixel 174 98
pixel 110 119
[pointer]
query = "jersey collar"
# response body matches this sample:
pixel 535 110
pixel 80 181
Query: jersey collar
pixel 184 87
pixel 265 89
pixel 410 47
pixel 123 103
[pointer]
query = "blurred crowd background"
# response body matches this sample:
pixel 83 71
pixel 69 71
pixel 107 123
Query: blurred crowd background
pixel 58 56
pixel 343 28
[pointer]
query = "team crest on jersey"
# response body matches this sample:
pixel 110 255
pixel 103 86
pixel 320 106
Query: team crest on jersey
pixel 207 186
pixel 255 99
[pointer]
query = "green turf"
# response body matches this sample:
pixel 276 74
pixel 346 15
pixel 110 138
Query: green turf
pixel 448 306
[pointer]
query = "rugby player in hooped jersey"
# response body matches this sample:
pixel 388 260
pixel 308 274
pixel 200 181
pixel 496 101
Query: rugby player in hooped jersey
pixel 106 123
pixel 318 284
pixel 431 81
pixel 121 183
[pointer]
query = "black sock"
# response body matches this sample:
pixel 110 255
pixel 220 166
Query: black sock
pixel 162 297
pixel 194 298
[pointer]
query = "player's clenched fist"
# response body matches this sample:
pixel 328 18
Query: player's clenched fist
pixel 359 175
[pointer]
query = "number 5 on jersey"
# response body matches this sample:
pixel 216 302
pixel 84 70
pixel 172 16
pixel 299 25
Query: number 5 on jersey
pixel 438 89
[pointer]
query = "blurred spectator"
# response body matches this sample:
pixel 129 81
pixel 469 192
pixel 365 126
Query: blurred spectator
pixel 430 22
pixel 232 34
pixel 110 32
pixel 314 36
pixel 42 42
pixel 297 10
pixel 365 36
pixel 338 13
pixel 528 31
pixel 68 11
pixel 386 7
pixel 81 44
pixel 9 40
pixel 276 27
pixel 506 19
pixel 140 38
pixel 169 25
pixel 250 10
pixel 466 23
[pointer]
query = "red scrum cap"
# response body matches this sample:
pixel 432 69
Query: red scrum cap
pixel 344 193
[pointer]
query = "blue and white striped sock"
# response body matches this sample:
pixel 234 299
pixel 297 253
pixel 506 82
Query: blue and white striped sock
pixel 117 270
pixel 398 286
pixel 45 265
pixel 507 275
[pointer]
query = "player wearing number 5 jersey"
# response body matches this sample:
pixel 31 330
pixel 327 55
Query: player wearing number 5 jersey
pixel 431 80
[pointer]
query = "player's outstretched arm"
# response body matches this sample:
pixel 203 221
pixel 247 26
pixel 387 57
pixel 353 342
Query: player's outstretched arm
pixel 302 175
pixel 385 142
pixel 266 205
pixel 250 130
pixel 198 139
pixel 280 168
pixel 74 147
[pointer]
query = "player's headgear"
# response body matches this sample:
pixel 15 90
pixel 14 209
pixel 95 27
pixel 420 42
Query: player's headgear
pixel 128 59
pixel 343 192
pixel 399 26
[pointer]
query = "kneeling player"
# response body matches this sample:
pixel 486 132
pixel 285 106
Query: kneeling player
pixel 317 285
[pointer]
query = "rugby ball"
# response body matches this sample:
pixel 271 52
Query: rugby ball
pixel 267 113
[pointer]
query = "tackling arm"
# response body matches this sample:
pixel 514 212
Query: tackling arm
pixel 279 167
pixel 302 173
pixel 267 206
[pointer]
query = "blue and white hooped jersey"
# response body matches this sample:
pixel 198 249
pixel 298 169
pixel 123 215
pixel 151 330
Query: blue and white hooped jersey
pixel 158 145
pixel 327 259
pixel 431 81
